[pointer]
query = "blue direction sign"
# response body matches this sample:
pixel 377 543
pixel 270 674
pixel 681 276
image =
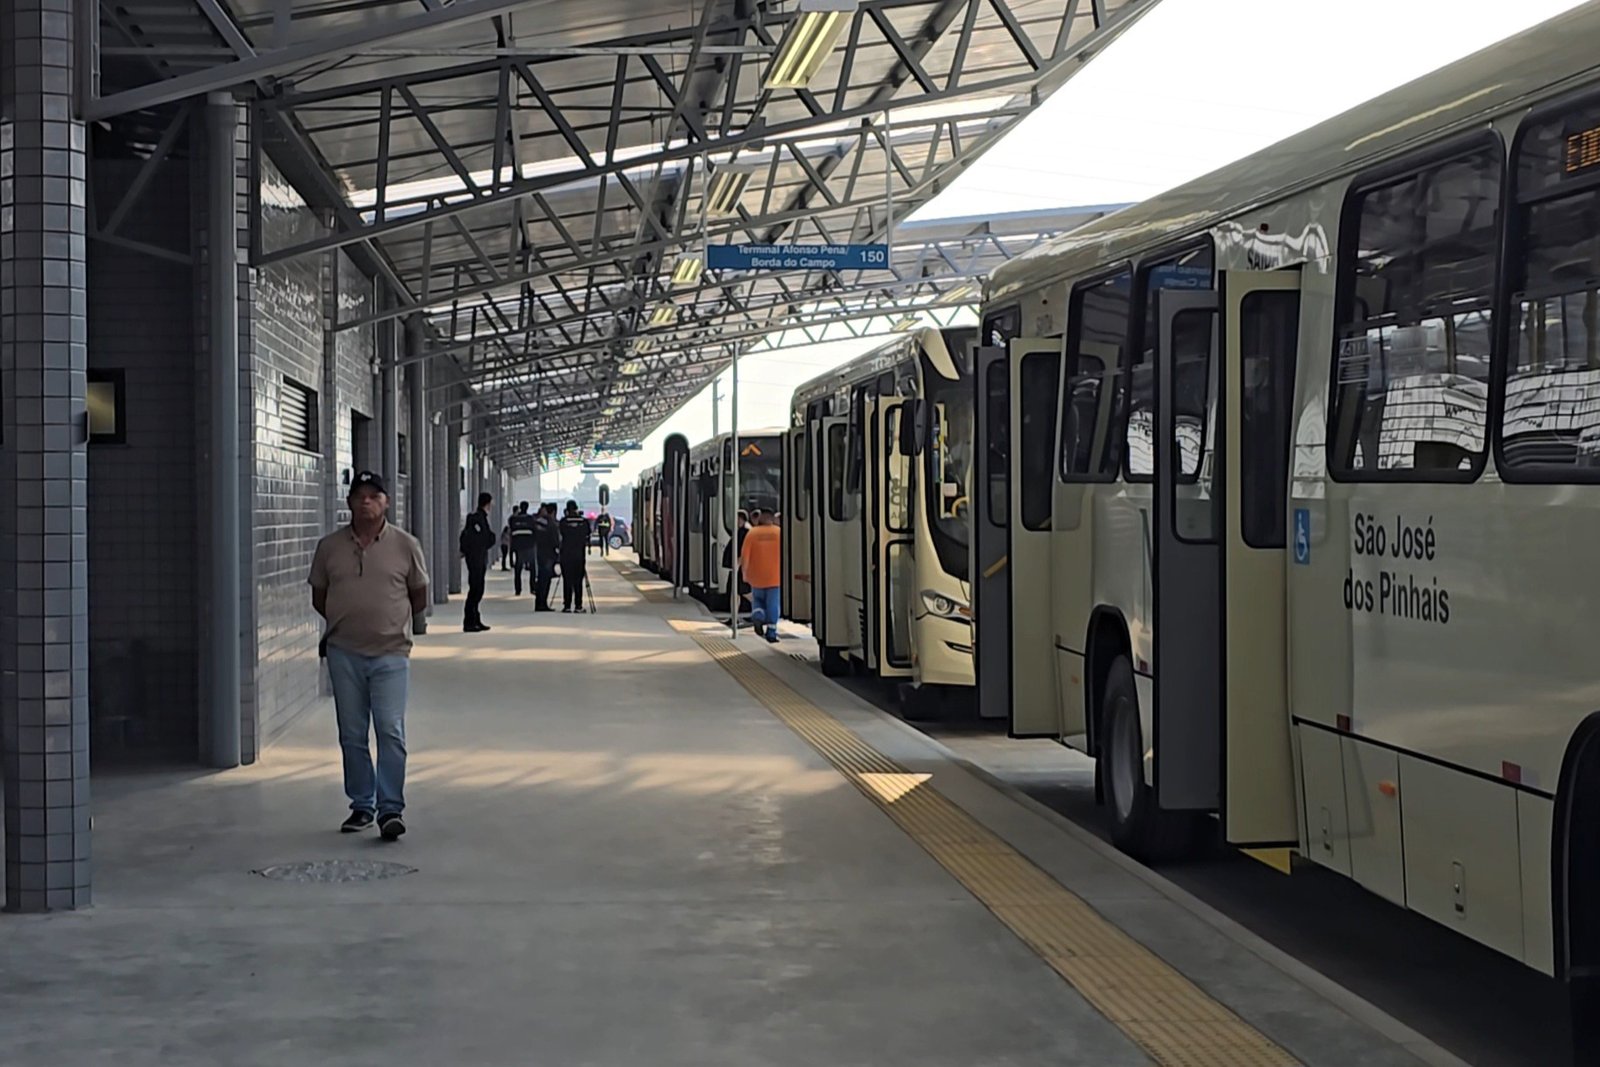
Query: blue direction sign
pixel 797 257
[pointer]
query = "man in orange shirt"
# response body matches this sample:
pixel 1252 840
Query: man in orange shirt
pixel 760 562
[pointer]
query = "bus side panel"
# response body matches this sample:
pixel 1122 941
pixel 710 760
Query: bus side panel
pixel 1123 580
pixel 1071 599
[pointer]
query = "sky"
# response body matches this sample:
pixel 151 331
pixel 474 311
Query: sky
pixel 1194 85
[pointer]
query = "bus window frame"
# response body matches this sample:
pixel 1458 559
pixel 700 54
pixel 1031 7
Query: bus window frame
pixel 1008 320
pixel 1444 151
pixel 1119 417
pixel 1136 322
pixel 1511 239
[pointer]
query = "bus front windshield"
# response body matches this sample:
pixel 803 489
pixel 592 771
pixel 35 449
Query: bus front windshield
pixel 760 476
pixel 949 472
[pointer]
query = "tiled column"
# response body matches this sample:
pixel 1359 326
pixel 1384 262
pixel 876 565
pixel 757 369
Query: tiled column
pixel 44 645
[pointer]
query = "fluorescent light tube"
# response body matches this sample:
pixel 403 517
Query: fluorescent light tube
pixel 809 42
pixel 687 271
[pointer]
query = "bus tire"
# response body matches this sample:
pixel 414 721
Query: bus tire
pixel 1138 827
pixel 833 663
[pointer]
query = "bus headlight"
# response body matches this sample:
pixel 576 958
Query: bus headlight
pixel 945 607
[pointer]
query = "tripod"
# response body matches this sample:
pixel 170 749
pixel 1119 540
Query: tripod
pixel 588 590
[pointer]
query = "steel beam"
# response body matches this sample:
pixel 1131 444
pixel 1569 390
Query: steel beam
pixel 291 57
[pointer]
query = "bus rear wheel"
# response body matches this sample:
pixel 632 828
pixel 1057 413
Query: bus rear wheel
pixel 1138 826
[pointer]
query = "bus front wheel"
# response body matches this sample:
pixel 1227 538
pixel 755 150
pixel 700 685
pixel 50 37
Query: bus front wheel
pixel 1138 826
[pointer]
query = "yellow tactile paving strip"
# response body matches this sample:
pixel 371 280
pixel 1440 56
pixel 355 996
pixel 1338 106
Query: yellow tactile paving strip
pixel 1167 1015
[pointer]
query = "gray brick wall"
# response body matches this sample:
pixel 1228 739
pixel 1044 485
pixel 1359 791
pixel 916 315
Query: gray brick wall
pixel 143 583
pixel 287 482
pixel 354 383
pixel 44 596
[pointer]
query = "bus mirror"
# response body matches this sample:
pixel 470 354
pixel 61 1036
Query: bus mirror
pixel 605 494
pixel 911 427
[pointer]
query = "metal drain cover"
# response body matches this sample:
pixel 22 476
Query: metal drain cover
pixel 329 871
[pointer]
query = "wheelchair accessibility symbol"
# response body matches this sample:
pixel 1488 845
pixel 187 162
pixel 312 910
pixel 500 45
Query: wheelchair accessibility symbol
pixel 1302 536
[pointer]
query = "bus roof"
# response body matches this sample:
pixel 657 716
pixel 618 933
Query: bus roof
pixel 1543 61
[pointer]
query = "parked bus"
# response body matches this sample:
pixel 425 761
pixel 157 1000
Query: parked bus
pixel 1324 475
pixel 647 519
pixel 878 460
pixel 711 508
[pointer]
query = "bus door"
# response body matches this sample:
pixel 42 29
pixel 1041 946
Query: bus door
pixel 991 608
pixel 1084 428
pixel 1260 343
pixel 872 531
pixel 894 560
pixel 855 550
pixel 1187 717
pixel 1035 365
pixel 697 528
pixel 796 540
pixel 834 541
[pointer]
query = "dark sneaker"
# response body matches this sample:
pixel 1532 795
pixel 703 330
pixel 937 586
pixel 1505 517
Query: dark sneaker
pixel 358 821
pixel 772 637
pixel 391 826
pixel 761 629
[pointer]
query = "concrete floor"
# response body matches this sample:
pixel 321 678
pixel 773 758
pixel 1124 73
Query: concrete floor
pixel 620 859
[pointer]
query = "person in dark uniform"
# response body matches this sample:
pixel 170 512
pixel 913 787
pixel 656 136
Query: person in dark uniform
pixel 575 533
pixel 477 539
pixel 546 549
pixel 602 528
pixel 521 526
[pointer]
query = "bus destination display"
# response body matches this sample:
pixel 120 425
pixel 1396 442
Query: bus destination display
pixel 1583 151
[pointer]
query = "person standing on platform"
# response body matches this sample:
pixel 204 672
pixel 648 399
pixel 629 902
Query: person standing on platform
pixel 741 531
pixel 602 529
pixel 522 530
pixel 505 545
pixel 575 533
pixel 761 561
pixel 546 550
pixel 367 581
pixel 477 538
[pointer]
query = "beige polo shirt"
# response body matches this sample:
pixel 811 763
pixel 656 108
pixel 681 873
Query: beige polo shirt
pixel 369 590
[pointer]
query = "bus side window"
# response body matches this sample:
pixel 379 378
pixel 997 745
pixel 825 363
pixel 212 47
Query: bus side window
pixel 1413 351
pixel 1550 420
pixel 1092 408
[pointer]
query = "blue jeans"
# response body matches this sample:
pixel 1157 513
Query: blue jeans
pixel 371 691
pixel 766 607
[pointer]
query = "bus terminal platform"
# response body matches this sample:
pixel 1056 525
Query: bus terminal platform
pixel 636 842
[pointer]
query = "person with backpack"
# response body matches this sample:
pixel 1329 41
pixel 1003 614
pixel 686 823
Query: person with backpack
pixel 602 529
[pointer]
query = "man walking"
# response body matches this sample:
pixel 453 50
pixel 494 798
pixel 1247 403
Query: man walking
pixel 602 529
pixel 477 538
pixel 546 550
pixel 574 547
pixel 367 581
pixel 760 562
pixel 521 526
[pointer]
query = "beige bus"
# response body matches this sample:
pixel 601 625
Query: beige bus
pixel 711 512
pixel 1323 486
pixel 875 528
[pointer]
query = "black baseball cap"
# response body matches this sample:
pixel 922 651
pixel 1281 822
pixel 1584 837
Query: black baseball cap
pixel 370 480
